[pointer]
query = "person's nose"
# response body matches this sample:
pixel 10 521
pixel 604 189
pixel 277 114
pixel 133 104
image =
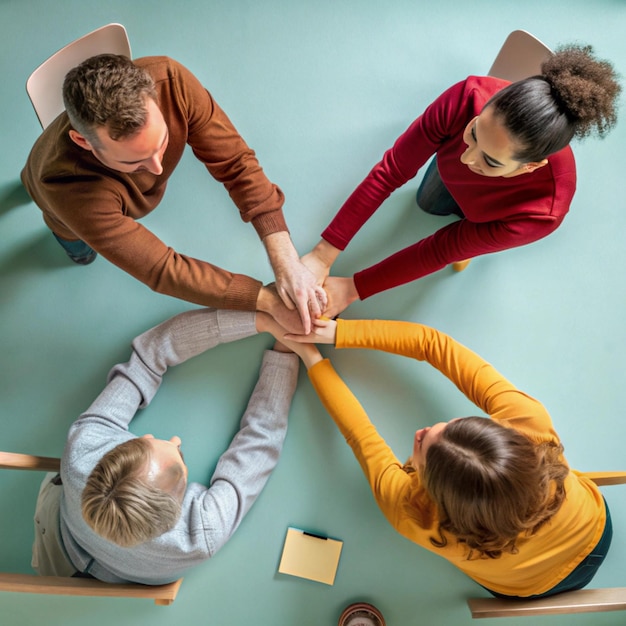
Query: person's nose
pixel 154 165
pixel 469 156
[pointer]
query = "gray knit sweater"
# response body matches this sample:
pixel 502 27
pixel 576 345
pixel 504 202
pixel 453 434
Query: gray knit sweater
pixel 210 514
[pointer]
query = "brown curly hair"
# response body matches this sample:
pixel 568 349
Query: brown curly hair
pixel 491 485
pixel 574 97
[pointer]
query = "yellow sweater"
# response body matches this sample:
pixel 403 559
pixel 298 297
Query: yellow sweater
pixel 543 560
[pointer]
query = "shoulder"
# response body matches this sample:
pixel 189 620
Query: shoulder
pixel 89 439
pixel 469 95
pixel 161 67
pixel 482 88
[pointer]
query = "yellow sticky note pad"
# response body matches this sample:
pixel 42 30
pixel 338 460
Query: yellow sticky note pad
pixel 310 556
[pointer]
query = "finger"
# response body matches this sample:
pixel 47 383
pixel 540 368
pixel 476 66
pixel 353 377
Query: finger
pixel 321 296
pixel 320 322
pixel 286 298
pixel 330 313
pixel 298 338
pixel 314 306
pixel 305 316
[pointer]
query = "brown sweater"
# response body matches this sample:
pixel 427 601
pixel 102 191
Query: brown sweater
pixel 83 199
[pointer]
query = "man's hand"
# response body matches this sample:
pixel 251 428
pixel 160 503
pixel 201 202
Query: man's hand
pixel 298 289
pixel 296 285
pixel 269 302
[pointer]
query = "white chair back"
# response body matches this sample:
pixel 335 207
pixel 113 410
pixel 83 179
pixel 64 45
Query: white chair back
pixel 44 86
pixel 521 56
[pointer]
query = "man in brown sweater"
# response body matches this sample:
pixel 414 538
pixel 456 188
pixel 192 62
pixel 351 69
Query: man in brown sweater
pixel 105 163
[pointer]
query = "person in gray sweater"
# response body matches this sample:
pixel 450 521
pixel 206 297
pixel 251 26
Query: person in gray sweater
pixel 121 509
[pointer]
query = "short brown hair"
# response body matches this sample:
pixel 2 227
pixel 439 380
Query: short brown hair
pixel 118 503
pixel 108 91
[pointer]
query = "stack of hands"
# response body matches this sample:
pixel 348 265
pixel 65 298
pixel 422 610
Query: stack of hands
pixel 303 291
pixel 323 330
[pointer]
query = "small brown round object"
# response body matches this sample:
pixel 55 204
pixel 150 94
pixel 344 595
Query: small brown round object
pixel 361 614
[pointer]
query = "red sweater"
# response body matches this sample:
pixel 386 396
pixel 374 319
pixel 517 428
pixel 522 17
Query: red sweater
pixel 500 213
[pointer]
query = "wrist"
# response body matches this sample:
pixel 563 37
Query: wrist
pixel 326 253
pixel 265 300
pixel 263 322
pixel 312 358
pixel 280 249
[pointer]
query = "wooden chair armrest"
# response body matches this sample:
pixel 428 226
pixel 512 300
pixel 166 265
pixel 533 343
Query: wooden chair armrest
pixel 59 585
pixel 581 601
pixel 606 478
pixel 12 460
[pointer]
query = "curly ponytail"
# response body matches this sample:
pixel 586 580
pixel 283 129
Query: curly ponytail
pixel 585 88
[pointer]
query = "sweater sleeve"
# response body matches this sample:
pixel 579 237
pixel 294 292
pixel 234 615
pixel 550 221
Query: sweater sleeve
pixel 398 165
pixel 243 470
pixel 455 242
pixel 381 467
pixel 479 381
pixel 136 250
pixel 216 142
pixel 132 385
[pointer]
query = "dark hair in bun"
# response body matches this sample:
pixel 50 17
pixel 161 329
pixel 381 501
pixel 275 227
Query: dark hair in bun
pixel 575 96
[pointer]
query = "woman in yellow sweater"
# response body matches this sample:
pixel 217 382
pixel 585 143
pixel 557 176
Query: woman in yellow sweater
pixel 495 497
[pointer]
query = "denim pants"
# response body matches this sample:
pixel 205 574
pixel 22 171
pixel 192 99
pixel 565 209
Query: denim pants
pixel 433 196
pixel 77 250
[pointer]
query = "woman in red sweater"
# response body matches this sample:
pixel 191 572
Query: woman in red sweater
pixel 502 165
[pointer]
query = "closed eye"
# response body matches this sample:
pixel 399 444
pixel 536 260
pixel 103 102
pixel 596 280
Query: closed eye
pixel 488 160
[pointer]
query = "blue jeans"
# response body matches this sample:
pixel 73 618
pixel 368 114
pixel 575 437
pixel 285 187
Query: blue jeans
pixel 78 250
pixel 433 196
pixel 584 572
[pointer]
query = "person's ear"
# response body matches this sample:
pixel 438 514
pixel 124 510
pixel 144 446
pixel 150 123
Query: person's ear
pixel 531 167
pixel 79 140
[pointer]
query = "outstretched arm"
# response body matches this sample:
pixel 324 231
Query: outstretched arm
pixel 381 467
pixel 476 378
pixel 133 384
pixel 178 339
pixel 245 467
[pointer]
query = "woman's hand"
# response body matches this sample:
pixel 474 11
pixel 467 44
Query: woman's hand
pixel 341 293
pixel 320 260
pixel 324 331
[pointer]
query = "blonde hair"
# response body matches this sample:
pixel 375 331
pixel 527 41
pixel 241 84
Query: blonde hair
pixel 491 485
pixel 119 504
